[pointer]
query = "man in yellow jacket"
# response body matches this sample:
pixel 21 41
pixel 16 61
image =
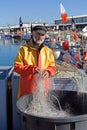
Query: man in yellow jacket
pixel 34 58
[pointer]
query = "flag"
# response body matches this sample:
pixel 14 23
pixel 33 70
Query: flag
pixel 75 35
pixel 64 15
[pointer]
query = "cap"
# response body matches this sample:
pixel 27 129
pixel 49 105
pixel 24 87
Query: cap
pixel 65 45
pixel 40 29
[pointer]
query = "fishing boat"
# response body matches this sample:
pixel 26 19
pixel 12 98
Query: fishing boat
pixel 16 36
pixel 8 36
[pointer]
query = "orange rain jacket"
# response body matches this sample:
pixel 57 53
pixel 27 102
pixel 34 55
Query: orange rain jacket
pixel 25 62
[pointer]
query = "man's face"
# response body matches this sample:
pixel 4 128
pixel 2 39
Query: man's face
pixel 38 38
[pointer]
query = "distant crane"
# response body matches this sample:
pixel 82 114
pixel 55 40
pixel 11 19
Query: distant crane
pixel 20 21
pixel 18 36
pixel 20 24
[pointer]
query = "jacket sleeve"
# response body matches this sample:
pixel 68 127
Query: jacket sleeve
pixel 51 70
pixel 51 67
pixel 24 69
pixel 19 66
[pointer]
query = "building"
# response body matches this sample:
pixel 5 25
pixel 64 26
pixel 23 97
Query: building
pixel 80 22
pixel 26 27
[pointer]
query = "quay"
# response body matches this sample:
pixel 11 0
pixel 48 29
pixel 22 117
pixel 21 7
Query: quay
pixel 9 82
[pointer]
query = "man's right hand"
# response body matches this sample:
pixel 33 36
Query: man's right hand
pixel 36 70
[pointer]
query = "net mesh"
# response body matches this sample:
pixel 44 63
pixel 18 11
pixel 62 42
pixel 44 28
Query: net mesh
pixel 65 70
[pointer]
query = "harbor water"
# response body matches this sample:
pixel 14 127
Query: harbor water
pixel 8 51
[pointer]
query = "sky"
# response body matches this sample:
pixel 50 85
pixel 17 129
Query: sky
pixel 38 10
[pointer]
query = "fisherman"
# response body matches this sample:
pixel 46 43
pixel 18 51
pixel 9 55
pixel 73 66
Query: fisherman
pixel 33 59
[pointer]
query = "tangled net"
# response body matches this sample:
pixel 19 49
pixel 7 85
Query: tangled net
pixel 43 106
pixel 65 70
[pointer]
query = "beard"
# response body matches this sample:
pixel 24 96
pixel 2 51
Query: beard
pixel 38 41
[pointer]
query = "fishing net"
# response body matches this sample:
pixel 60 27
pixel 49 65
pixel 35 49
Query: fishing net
pixel 69 71
pixel 67 77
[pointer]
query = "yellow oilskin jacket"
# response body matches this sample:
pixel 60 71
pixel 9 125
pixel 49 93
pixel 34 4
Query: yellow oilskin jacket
pixel 27 59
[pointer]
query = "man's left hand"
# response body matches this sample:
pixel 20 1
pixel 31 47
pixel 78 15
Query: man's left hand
pixel 45 74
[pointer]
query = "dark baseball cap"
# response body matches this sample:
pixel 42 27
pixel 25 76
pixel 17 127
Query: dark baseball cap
pixel 40 29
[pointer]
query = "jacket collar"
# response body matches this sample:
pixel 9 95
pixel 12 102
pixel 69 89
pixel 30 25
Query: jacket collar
pixel 30 43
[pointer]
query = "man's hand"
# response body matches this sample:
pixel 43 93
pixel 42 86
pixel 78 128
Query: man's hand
pixel 41 74
pixel 45 74
pixel 36 70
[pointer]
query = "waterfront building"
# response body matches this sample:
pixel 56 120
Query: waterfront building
pixel 14 29
pixel 80 22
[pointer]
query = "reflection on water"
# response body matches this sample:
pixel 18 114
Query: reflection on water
pixel 8 51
